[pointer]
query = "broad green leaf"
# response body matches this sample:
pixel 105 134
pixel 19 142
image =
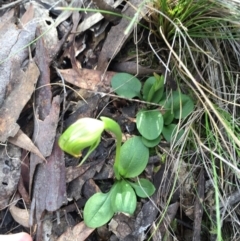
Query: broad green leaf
pixel 169 132
pixel 98 210
pixel 126 85
pixel 163 101
pixel 182 105
pixel 153 89
pixel 147 86
pixel 158 88
pixel 123 198
pixel 133 157
pixel 151 143
pixel 149 123
pixel 143 187
pixel 166 103
pixel 168 116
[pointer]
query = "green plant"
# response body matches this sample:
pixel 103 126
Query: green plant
pixel 100 208
pixel 151 122
pixel 198 18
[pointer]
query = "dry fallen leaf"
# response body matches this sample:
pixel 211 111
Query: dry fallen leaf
pixel 116 37
pixel 13 52
pixel 74 189
pixel 73 50
pixel 23 141
pixel 21 92
pixel 46 24
pixel 21 216
pixel 121 225
pixel 88 79
pixel 74 172
pixel 78 233
pixel 23 192
pixel 92 19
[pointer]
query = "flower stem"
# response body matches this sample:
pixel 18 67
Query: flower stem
pixel 113 126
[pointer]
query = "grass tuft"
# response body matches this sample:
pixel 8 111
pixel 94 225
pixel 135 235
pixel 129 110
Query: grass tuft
pixel 202 54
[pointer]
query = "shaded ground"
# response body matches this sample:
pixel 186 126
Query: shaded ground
pixel 63 75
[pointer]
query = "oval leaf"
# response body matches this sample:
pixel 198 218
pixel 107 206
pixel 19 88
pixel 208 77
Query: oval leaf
pixel 182 105
pixel 153 89
pixel 151 143
pixel 133 158
pixel 143 188
pixel 147 87
pixel 149 123
pixel 126 85
pixel 123 198
pixel 168 117
pixel 98 210
pixel 169 132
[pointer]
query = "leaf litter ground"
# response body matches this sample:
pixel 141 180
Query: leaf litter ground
pixel 62 76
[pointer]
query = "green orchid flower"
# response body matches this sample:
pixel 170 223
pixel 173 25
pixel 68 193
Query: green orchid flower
pixel 84 133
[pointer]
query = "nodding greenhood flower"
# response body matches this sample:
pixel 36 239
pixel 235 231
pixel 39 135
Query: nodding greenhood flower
pixel 85 132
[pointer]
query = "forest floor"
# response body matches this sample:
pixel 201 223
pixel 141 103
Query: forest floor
pixel 57 61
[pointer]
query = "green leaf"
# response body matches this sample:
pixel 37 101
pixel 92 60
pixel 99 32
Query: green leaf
pixel 149 123
pixel 126 85
pixel 153 89
pixel 143 188
pixel 147 86
pixel 182 105
pixel 151 143
pixel 123 198
pixel 98 210
pixel 133 158
pixel 168 117
pixel 169 132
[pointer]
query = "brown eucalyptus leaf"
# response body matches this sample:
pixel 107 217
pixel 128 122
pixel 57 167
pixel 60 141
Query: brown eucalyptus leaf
pixel 92 19
pixel 20 93
pixel 23 192
pixel 116 37
pixel 103 5
pixel 78 233
pixel 23 141
pixel 13 42
pixel 87 78
pixel 21 216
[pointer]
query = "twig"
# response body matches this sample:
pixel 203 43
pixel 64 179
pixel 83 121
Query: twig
pixel 12 4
